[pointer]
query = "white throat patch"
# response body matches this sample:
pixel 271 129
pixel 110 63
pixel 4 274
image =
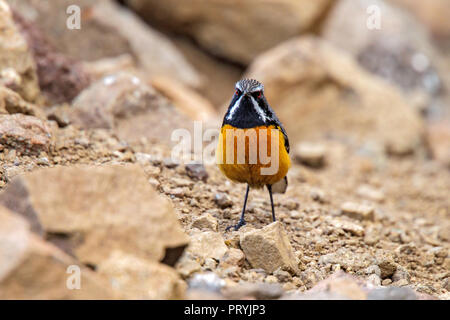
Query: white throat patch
pixel 234 107
pixel 258 109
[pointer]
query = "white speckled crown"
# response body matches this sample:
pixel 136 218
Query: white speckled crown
pixel 249 85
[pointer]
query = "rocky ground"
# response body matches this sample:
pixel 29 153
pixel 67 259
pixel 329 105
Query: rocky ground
pixel 87 178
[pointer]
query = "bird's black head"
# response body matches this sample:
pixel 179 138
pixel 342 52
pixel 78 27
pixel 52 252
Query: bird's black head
pixel 248 107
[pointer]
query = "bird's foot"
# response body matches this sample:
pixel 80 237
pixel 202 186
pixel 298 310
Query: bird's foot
pixel 237 226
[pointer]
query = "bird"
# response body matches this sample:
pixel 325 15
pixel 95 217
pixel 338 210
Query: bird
pixel 250 120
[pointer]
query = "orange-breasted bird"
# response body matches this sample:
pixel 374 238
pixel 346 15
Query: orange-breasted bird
pixel 253 145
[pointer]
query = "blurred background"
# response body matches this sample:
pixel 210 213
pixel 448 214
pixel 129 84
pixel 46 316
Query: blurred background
pixel 362 87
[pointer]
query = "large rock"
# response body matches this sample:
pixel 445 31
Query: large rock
pixel 269 249
pixel 348 259
pixel 61 78
pixel 11 102
pixel 208 244
pixel 91 211
pixel 400 51
pixel 142 279
pixel 343 286
pixel 433 13
pixel 338 286
pixel 33 269
pixel 438 138
pixel 16 58
pixel 102 34
pixel 26 134
pixel 318 90
pixel 236 30
pixel 185 99
pixel 124 103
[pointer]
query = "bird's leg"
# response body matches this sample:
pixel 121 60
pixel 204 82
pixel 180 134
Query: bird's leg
pixel 241 220
pixel 269 187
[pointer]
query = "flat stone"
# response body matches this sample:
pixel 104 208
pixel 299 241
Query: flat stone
pixel 358 211
pixel 269 249
pixel 208 244
pixel 310 154
pixel 26 134
pixel 31 268
pixel 142 279
pixel 111 205
pixel 206 221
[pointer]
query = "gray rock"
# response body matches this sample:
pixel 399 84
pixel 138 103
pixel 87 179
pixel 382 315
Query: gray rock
pixel 222 200
pixel 269 249
pixel 197 172
pixel 392 293
pixel 254 290
pixel 207 281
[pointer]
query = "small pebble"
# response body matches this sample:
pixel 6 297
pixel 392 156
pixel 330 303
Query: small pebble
pixel 386 282
pixel 197 172
pixel 358 211
pixel 310 154
pixel 43 161
pixel 222 200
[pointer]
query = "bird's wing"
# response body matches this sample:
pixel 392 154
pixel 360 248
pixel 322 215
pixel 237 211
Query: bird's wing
pixel 277 123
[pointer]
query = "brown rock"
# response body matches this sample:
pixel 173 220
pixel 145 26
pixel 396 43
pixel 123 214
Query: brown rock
pixel 349 226
pixel 233 257
pixel 197 172
pixel 187 265
pixel 370 193
pixel 338 286
pixel 138 278
pixel 221 75
pixel 61 78
pixel 282 276
pixel 248 290
pixel 185 99
pixel 438 138
pixel 102 35
pixel 33 269
pixel 234 30
pixel 401 43
pixel 206 221
pixel 269 249
pixel 110 205
pixel 434 14
pixel 306 78
pixel 386 282
pixel 103 67
pixel 310 154
pixel 347 259
pixel 446 284
pixel 387 267
pixel 372 235
pixel 207 244
pixel 11 102
pixel 122 102
pixel 25 134
pixel 401 274
pixel 16 56
pixel 358 211
pixel 342 284
pixel 223 200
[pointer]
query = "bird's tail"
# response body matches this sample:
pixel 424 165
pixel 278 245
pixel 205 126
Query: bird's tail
pixel 280 186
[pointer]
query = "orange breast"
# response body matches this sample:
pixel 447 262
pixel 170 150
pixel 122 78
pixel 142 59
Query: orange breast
pixel 256 156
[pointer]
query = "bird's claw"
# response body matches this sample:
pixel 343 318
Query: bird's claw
pixel 237 226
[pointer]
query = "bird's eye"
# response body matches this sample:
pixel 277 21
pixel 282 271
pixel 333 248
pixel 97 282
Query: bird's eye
pixel 257 94
pixel 238 92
